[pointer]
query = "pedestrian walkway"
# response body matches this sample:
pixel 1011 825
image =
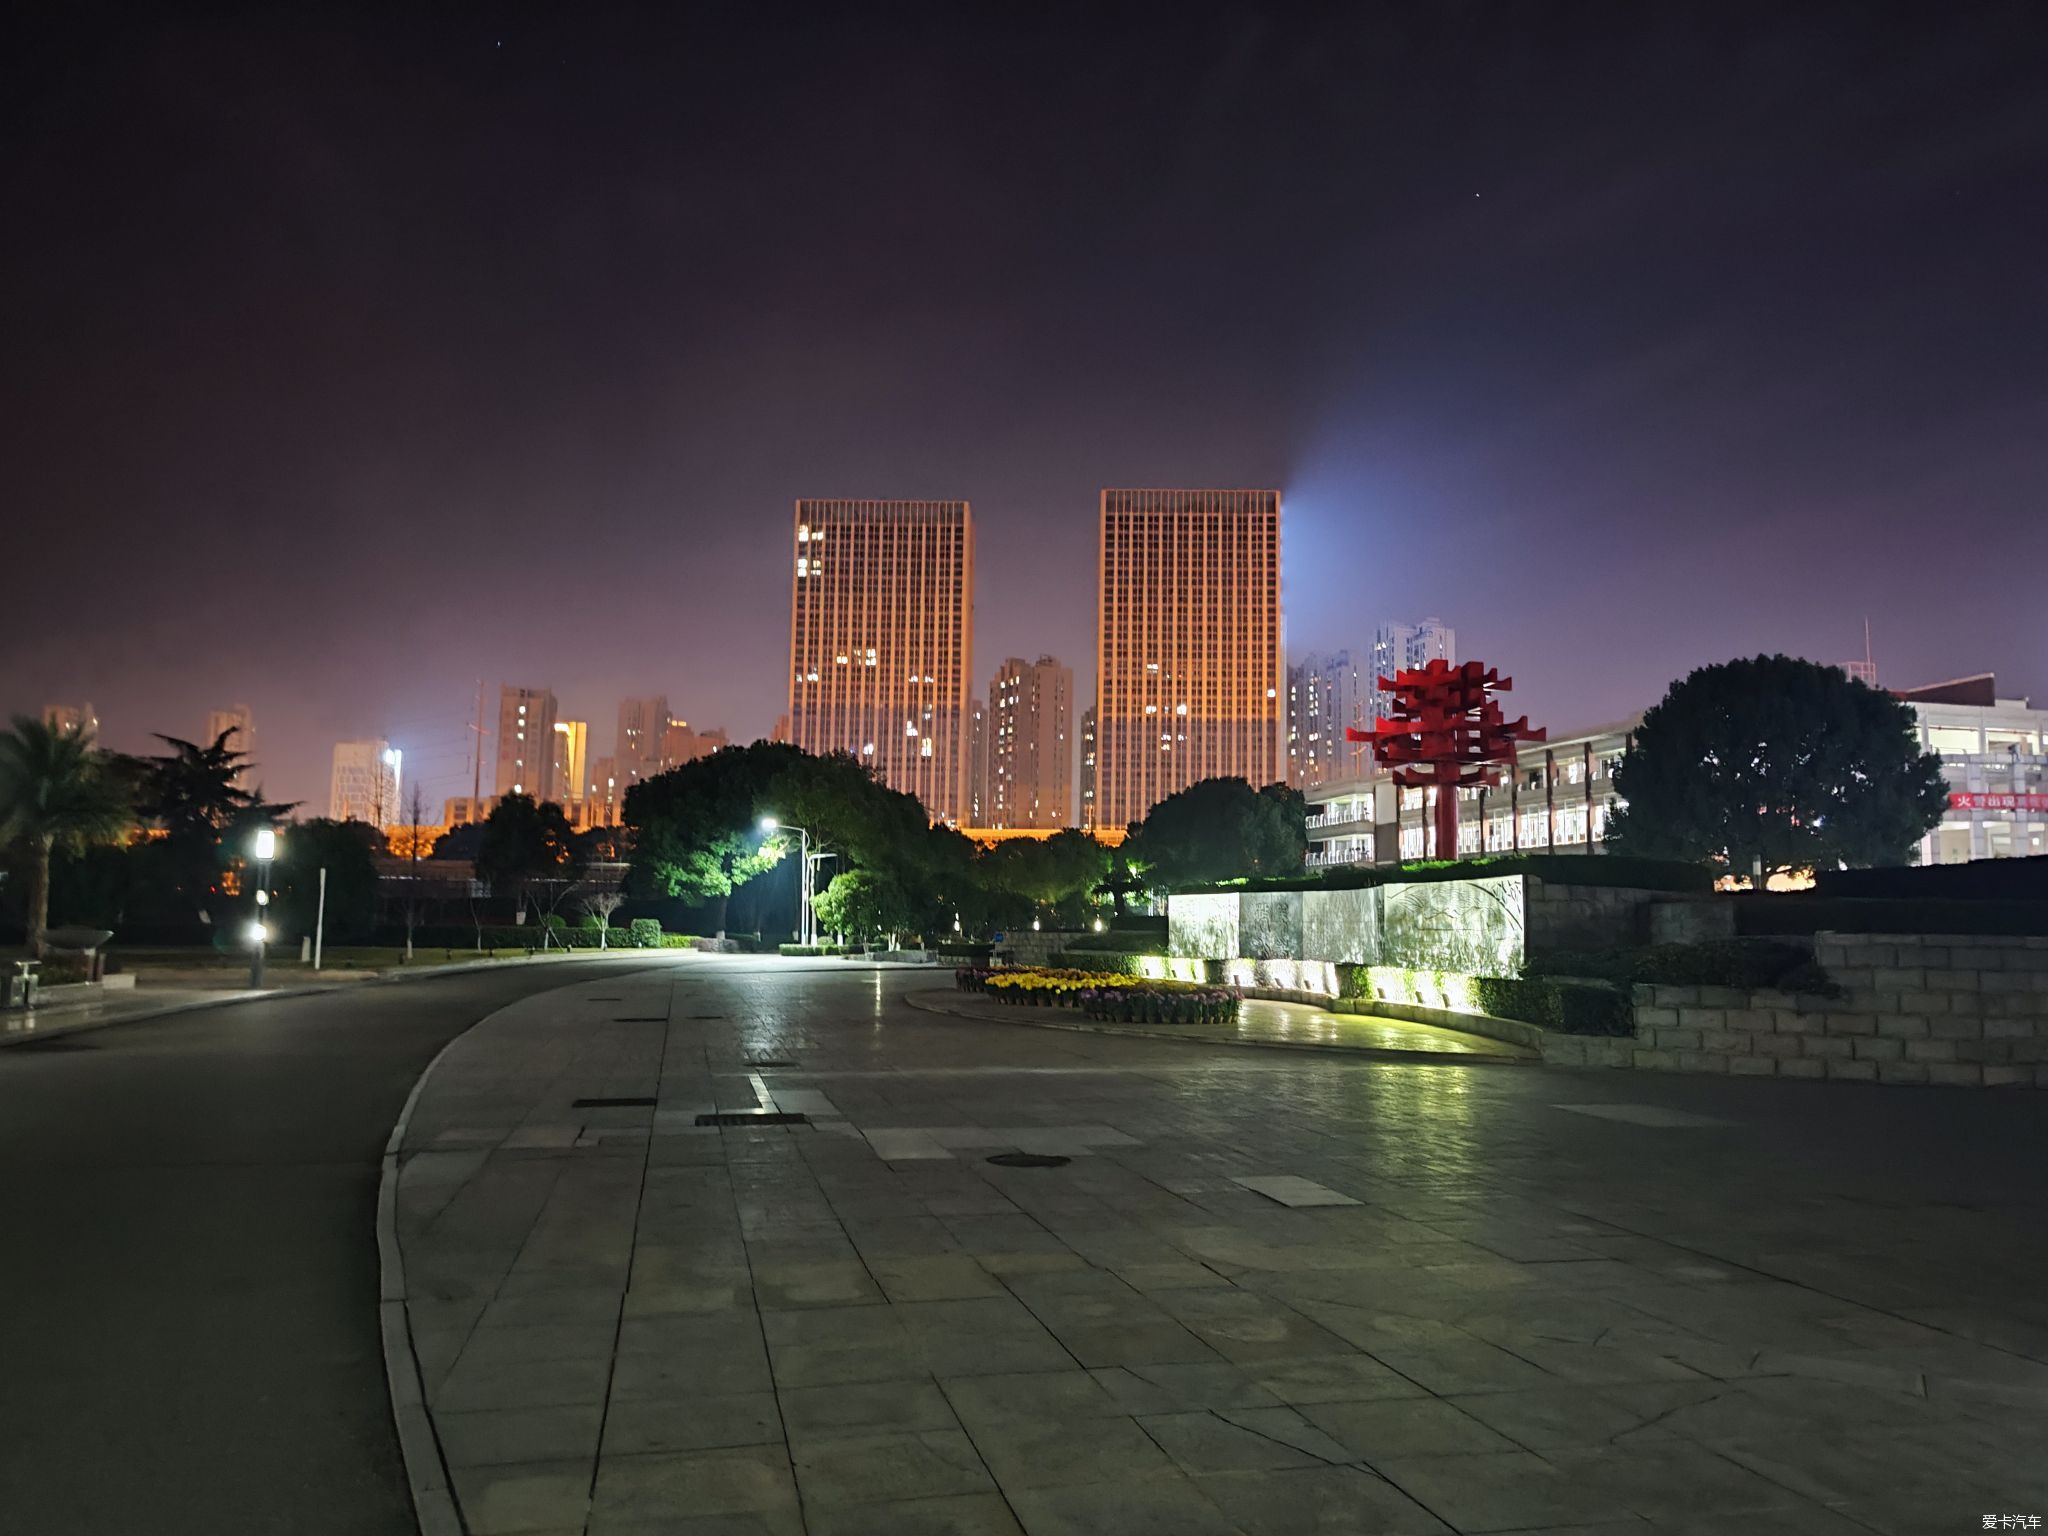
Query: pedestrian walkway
pixel 759 1249
pixel 1259 1021
pixel 26 1028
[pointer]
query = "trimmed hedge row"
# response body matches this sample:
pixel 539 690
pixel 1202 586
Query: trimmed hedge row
pixel 1572 1008
pixel 1745 963
pixel 1558 868
pixel 1802 912
pixel 811 949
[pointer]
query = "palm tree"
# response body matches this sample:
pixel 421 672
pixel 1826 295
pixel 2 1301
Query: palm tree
pixel 55 792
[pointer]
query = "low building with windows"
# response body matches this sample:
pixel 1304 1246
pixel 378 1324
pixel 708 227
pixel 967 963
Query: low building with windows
pixel 1994 754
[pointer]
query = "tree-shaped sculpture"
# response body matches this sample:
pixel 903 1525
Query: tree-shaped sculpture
pixel 1446 733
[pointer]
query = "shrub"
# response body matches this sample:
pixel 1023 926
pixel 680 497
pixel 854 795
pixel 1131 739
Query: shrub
pixel 1745 963
pixel 810 949
pixel 1800 912
pixel 960 950
pixel 644 933
pixel 678 941
pixel 1572 1008
pixel 1558 868
pixel 1115 962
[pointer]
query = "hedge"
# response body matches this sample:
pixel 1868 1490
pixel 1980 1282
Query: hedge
pixel 1745 963
pixel 1803 912
pixel 1558 868
pixel 1572 1008
pixel 1979 880
pixel 810 949
pixel 1114 962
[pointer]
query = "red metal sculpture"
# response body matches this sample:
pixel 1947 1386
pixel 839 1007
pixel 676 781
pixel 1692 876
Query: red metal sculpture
pixel 1446 733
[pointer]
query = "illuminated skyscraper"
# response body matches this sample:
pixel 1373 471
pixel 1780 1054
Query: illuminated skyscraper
pixel 567 769
pixel 526 742
pixel 1326 694
pixel 977 763
pixel 1031 745
pixel 1088 769
pixel 364 785
pixel 881 642
pixel 1189 665
pixel 243 741
pixel 1403 647
pixel 637 749
pixel 71 718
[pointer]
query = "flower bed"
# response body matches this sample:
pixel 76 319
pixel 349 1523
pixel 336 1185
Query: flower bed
pixel 1103 994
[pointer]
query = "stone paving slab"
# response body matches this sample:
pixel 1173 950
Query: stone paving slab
pixel 1758 1307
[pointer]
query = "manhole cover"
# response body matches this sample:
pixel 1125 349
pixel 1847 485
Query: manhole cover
pixel 754 1117
pixel 634 1103
pixel 1028 1160
pixel 54 1045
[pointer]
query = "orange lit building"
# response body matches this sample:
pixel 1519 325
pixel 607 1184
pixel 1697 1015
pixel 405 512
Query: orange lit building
pixel 1029 745
pixel 881 641
pixel 1190 673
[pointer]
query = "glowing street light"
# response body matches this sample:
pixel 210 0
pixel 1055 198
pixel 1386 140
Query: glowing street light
pixel 805 924
pixel 262 849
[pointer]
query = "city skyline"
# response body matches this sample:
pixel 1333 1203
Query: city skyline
pixel 1621 325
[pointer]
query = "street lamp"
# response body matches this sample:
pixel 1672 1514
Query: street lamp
pixel 264 849
pixel 770 824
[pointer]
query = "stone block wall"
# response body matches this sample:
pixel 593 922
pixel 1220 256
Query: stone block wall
pixel 1962 1011
pixel 1584 916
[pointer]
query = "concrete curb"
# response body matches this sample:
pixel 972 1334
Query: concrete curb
pixel 1145 1032
pixel 310 989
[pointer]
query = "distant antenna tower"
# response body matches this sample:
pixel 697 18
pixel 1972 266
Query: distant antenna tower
pixel 1864 671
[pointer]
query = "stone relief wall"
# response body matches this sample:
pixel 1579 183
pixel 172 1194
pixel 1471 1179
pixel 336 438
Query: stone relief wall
pixel 1472 926
pixel 1269 925
pixel 1203 927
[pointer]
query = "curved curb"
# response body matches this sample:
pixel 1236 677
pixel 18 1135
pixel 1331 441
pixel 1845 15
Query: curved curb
pixel 1141 1032
pixel 426 1469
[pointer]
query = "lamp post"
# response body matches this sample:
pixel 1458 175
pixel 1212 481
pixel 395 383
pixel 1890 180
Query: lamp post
pixel 264 850
pixel 803 915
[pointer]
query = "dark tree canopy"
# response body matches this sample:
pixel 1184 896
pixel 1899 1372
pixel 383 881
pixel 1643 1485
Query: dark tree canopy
pixel 347 850
pixel 525 843
pixel 1220 829
pixel 697 828
pixel 1776 762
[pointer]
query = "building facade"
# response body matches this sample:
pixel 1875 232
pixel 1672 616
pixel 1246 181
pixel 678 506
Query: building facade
pixel 71 718
pixel 636 752
pixel 526 741
pixel 568 768
pixel 680 744
pixel 238 720
pixel 1404 647
pixel 365 782
pixel 1993 751
pixel 881 642
pixel 1189 665
pixel 1994 754
pixel 1031 745
pixel 1088 818
pixel 977 763
pixel 1327 694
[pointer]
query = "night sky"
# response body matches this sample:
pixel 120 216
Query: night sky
pixel 349 361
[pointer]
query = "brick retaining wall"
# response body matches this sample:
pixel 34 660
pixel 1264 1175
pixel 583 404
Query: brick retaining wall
pixel 1958 1010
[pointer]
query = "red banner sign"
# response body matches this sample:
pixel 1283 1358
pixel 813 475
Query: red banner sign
pixel 1965 801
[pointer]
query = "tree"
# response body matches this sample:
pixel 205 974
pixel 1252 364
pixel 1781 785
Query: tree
pixel 55 792
pixel 1027 876
pixel 599 906
pixel 348 851
pixel 697 828
pixel 192 792
pixel 866 902
pixel 528 852
pixel 1772 764
pixel 1219 829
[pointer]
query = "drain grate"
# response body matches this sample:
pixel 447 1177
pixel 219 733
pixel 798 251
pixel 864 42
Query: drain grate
pixel 54 1045
pixel 604 999
pixel 643 1018
pixel 1028 1160
pixel 632 1103
pixel 771 1063
pixel 753 1117
pixel 707 1015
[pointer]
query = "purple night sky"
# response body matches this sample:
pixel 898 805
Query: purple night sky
pixel 350 361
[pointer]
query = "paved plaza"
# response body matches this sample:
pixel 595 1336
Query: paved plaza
pixel 1267 1292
